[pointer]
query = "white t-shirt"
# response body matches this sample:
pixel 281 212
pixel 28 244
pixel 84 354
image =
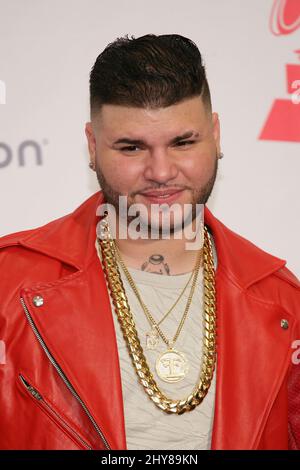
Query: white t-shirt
pixel 148 427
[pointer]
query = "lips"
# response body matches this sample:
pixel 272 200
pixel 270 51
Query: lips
pixel 161 193
pixel 162 196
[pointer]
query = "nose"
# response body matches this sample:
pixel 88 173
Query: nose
pixel 160 167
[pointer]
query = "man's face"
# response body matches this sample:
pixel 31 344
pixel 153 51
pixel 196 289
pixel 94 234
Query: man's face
pixel 136 154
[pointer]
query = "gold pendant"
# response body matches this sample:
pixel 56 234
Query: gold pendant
pixel 172 366
pixel 152 339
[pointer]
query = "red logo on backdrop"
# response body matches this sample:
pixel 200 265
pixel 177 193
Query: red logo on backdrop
pixel 285 16
pixel 283 122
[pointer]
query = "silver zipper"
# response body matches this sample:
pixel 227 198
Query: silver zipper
pixel 30 389
pixel 46 405
pixel 61 373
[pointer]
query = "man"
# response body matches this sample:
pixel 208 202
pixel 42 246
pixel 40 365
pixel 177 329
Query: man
pixel 111 342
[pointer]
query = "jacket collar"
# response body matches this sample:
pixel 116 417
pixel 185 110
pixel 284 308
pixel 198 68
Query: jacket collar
pixel 71 239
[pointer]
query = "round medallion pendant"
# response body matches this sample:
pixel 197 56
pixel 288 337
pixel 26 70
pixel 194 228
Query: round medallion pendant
pixel 172 366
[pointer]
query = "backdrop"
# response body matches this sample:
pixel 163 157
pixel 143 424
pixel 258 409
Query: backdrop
pixel 251 51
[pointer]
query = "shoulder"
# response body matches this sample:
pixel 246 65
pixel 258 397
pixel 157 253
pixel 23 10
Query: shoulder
pixel 19 237
pixel 12 250
pixel 255 271
pixel 285 275
pixel 280 288
pixel 23 263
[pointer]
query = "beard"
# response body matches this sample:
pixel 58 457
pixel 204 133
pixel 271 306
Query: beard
pixel 200 196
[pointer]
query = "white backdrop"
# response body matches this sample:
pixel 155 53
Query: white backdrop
pixel 47 48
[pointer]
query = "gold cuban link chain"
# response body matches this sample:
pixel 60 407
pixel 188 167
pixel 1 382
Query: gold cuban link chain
pixel 128 327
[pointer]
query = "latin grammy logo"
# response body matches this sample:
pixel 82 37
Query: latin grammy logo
pixel 285 17
pixel 283 121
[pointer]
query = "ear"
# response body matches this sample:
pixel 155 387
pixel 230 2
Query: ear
pixel 216 130
pixel 91 141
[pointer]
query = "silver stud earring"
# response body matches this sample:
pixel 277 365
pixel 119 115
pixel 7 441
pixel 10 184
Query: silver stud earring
pixel 91 165
pixel 221 155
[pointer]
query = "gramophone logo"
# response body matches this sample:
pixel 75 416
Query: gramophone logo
pixel 283 122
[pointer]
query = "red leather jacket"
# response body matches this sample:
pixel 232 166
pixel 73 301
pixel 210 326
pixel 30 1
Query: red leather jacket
pixel 60 384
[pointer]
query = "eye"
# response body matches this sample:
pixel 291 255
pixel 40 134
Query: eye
pixel 183 142
pixel 129 148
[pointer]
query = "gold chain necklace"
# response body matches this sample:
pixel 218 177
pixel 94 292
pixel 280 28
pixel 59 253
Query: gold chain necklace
pixel 130 335
pixel 153 336
pixel 171 365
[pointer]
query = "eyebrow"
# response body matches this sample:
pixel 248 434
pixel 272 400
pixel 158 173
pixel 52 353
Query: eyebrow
pixel 126 140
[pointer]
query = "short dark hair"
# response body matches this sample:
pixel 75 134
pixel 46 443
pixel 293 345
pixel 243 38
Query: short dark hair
pixel 148 72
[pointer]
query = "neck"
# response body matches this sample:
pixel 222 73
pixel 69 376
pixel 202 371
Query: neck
pixel 166 256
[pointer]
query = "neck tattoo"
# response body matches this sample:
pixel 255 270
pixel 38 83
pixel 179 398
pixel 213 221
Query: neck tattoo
pixel 156 264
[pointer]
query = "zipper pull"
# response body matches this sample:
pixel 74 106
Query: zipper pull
pixel 35 393
pixel 30 389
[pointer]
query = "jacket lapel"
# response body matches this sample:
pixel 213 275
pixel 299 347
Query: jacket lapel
pixel 253 358
pixel 76 323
